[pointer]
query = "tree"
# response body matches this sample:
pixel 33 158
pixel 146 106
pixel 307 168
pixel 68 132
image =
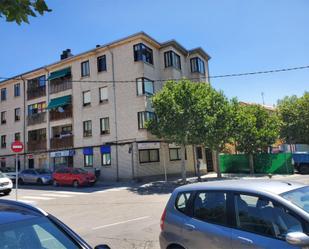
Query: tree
pixel 178 115
pixel 19 10
pixel 255 129
pixel 294 116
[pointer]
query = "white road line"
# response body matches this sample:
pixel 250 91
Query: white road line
pixel 121 222
pixel 72 193
pixel 37 198
pixel 56 195
pixel 111 190
pixel 28 201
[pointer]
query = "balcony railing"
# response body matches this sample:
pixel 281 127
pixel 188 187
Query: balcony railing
pixel 37 145
pixel 33 93
pixel 37 118
pixel 61 143
pixel 59 85
pixel 56 115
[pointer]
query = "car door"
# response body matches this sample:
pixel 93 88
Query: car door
pixel 32 176
pixel 209 222
pixel 25 175
pixel 262 223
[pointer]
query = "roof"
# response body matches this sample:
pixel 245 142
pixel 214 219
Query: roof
pixel 265 186
pixel 13 211
pixel 133 36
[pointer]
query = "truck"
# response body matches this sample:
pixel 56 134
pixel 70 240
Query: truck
pixel 301 162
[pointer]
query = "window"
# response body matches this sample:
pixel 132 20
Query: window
pixel 3 117
pixel 17 90
pixel 143 53
pixel 175 154
pixel 3 141
pixel 101 63
pixel 36 87
pixel 211 207
pixel 37 135
pixel 88 160
pixel 182 202
pixel 3 94
pixel 143 117
pixel 103 94
pixel 199 154
pixel 148 156
pixel 262 216
pixel 87 128
pixel 144 86
pixel 17 136
pixel 197 65
pixel 37 108
pixel 171 59
pixel 17 114
pixel 85 70
pixel 106 159
pixel 104 125
pixel 86 98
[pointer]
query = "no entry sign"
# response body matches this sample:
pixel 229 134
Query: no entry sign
pixel 17 147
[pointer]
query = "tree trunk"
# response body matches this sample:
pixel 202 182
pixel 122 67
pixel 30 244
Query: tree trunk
pixel 183 164
pixel 251 163
pixel 217 163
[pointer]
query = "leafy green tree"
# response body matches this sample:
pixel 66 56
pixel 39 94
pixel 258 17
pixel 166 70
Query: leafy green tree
pixel 294 116
pixel 255 128
pixel 19 10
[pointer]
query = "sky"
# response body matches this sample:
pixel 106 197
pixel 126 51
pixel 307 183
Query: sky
pixel 239 35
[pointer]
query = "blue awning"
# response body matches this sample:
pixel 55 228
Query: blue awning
pixel 105 149
pixel 88 151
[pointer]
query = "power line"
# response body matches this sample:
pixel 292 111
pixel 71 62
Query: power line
pixel 163 80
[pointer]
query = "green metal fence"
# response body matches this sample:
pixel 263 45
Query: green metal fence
pixel 263 163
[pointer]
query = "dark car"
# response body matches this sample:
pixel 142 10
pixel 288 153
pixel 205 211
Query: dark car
pixel 39 176
pixel 73 176
pixel 25 227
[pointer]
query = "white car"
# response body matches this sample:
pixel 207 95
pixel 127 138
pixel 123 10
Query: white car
pixel 6 184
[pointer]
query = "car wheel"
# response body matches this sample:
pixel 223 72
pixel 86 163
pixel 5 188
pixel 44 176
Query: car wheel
pixel 39 181
pixel 175 247
pixel 75 184
pixel 304 169
pixel 7 191
pixel 20 181
pixel 55 183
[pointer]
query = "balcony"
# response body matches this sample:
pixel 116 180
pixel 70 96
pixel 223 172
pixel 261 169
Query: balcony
pixel 61 143
pixel 37 145
pixel 37 118
pixel 57 115
pixel 59 85
pixel 33 93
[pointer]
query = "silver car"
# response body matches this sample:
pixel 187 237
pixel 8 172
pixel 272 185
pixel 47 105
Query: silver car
pixel 39 176
pixel 237 214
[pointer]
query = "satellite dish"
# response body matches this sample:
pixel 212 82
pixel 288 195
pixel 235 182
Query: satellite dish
pixel 60 109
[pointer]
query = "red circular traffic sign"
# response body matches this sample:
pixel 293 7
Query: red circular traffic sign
pixel 17 147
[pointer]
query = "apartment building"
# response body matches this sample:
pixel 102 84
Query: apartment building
pixel 89 110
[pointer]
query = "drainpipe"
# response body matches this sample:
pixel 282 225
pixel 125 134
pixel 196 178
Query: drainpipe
pixel 115 112
pixel 47 119
pixel 24 128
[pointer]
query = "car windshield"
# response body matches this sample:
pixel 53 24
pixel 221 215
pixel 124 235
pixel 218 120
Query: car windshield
pixel 2 175
pixel 300 197
pixel 80 171
pixel 43 171
pixel 34 233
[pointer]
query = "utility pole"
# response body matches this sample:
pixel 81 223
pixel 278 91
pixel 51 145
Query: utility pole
pixel 262 93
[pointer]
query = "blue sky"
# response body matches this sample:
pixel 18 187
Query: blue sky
pixel 240 36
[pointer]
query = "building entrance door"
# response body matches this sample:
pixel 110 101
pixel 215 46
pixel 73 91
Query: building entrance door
pixel 209 161
pixel 31 163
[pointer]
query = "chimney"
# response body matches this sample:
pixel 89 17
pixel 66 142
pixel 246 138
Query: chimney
pixel 66 54
pixel 97 46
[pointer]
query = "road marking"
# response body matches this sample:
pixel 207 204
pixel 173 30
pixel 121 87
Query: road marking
pixel 72 193
pixel 111 190
pixel 28 201
pixel 121 222
pixel 56 195
pixel 37 198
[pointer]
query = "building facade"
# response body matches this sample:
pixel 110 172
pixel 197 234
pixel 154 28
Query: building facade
pixel 89 110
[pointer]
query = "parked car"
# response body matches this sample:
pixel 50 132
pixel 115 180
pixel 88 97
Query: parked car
pixel 39 176
pixel 25 227
pixel 301 162
pixel 6 184
pixel 73 176
pixel 10 172
pixel 237 214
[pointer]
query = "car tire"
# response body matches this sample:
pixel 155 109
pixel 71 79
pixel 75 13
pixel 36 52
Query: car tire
pixel 7 191
pixel 175 247
pixel 304 169
pixel 39 181
pixel 55 183
pixel 21 181
pixel 75 184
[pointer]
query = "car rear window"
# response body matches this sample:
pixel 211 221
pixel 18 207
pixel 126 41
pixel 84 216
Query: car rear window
pixel 182 201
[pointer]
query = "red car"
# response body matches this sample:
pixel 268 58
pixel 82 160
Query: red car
pixel 73 176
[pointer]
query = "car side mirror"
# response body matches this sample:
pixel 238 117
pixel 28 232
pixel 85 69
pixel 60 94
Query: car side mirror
pixel 102 247
pixel 297 238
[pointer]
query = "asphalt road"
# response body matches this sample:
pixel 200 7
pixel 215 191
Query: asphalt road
pixel 124 216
